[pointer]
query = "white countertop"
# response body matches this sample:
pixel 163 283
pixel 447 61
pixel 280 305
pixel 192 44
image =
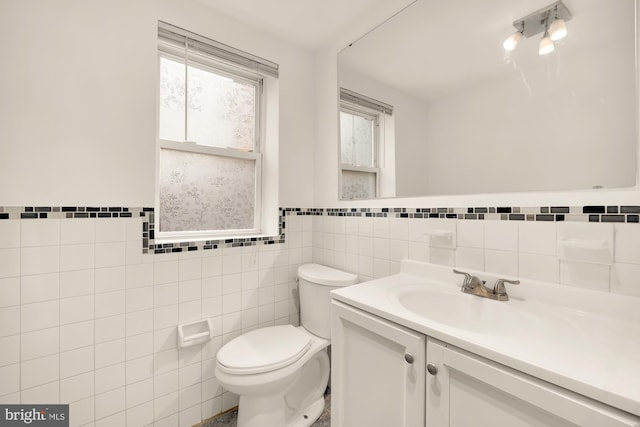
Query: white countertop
pixel 584 341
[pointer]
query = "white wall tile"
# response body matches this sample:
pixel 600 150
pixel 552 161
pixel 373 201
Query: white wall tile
pixel 76 283
pixel 9 291
pixel 9 321
pixel 165 406
pixel 165 272
pixel 77 231
pixel 39 315
pixel 627 243
pixel 117 419
pixel 587 276
pixel 76 335
pixel 76 309
pixel 212 265
pixel 109 279
pixel 40 233
pixel 76 257
pixel 9 262
pixel 139 393
pixel 81 412
pixel 467 257
pixel 110 328
pixel 10 375
pixel 470 234
pixel 39 371
pixel 501 235
pixel 39 260
pixel 502 262
pixel 110 353
pixel 40 287
pixel 231 263
pixel 43 342
pixel 42 394
pixel 10 233
pixel 110 303
pixel 539 267
pixel 77 388
pixel 109 378
pixel 10 353
pixel 139 345
pixel 76 361
pixel 139 322
pixel 139 369
pixel 109 254
pixel 111 403
pixel 140 415
pixel 165 317
pixel 110 230
pixel 190 290
pixel 139 275
pixel 537 237
pixel 624 279
pixel 138 299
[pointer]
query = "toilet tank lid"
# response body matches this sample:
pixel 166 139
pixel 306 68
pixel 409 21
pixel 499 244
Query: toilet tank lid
pixel 323 275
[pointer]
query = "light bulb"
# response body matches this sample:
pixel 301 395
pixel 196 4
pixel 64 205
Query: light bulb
pixel 546 45
pixel 558 29
pixel 512 41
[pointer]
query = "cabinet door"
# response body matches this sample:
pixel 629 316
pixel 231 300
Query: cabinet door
pixel 378 371
pixel 468 390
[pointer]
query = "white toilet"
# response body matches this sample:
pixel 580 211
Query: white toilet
pixel 281 372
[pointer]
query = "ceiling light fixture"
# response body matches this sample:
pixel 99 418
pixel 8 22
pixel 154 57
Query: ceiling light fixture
pixel 538 22
pixel 558 28
pixel 512 41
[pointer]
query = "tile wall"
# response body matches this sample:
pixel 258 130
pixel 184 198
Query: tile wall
pixel 514 241
pixel 87 318
pixel 89 303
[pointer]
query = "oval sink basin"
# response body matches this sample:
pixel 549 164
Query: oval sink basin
pixel 462 311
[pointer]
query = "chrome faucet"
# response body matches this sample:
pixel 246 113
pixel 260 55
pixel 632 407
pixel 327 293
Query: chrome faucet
pixel 474 286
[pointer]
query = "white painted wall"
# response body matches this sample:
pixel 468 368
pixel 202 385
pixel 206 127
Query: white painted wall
pixel 78 110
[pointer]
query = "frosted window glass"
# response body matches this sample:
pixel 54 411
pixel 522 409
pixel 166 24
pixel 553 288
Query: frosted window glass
pixel 358 185
pixel 172 104
pixel 200 192
pixel 356 139
pixel 221 112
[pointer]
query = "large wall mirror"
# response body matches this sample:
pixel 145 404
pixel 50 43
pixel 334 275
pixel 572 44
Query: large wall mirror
pixel 432 104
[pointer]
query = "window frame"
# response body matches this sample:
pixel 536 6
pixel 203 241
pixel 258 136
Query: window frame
pixel 367 113
pixel 218 66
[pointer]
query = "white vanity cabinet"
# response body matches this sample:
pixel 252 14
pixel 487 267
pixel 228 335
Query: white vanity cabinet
pixel 385 374
pixel 465 390
pixel 378 371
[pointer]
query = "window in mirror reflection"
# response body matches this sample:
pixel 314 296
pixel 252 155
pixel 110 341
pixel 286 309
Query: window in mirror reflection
pixel 362 130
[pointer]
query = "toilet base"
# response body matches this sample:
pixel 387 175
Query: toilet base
pixel 268 412
pixel 310 415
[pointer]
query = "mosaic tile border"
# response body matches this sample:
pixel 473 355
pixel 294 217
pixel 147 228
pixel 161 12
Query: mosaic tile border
pixel 591 213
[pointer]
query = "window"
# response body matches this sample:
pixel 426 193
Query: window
pixel 362 124
pixel 211 137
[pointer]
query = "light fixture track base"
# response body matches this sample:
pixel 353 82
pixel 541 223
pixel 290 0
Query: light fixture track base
pixel 536 22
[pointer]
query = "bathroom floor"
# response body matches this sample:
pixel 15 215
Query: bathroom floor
pixel 230 418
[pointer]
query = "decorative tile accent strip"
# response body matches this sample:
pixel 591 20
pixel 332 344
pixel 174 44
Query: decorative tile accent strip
pixel 611 214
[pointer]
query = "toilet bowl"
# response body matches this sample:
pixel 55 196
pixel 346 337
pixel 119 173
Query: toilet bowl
pixel 281 372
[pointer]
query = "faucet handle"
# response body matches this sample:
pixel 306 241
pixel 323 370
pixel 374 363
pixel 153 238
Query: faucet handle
pixel 467 276
pixel 499 288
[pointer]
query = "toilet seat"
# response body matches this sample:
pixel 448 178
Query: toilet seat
pixel 263 350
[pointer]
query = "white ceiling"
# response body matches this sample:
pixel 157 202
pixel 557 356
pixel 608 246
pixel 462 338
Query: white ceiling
pixel 306 23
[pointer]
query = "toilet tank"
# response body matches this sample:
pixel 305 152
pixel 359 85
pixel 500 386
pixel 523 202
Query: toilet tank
pixel 315 281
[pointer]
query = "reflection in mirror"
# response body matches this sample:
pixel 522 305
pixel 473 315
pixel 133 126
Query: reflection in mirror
pixel 470 117
pixel 366 147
